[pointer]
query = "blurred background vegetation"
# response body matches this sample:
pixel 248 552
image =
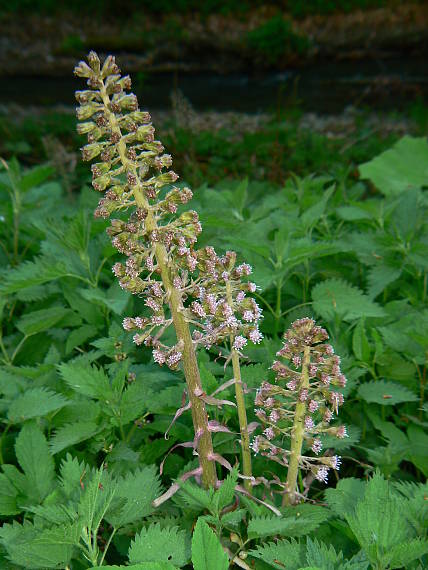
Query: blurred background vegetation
pixel 258 89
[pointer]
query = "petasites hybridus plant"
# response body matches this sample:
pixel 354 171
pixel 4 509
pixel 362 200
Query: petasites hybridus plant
pixel 301 405
pixel 199 293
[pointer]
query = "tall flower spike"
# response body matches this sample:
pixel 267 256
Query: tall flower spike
pixel 301 405
pixel 230 315
pixel 158 245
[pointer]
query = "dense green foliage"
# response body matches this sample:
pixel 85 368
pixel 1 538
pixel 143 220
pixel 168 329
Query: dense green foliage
pixel 77 394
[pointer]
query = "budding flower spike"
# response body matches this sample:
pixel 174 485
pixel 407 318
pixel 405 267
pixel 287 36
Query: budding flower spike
pixel 301 404
pixel 202 295
pixel 157 244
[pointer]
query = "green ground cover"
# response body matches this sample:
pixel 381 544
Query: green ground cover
pixel 335 229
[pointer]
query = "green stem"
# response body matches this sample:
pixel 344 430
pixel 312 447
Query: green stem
pixel 297 433
pixel 175 300
pixel 242 412
pixel 107 545
pixel 3 435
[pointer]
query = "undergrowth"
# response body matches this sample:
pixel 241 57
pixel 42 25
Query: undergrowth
pixel 87 447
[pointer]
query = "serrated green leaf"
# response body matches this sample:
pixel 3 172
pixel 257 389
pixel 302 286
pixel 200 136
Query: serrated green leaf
pixel 379 277
pixel 79 336
pixel 39 549
pixel 33 455
pixel 282 554
pixel 71 434
pixel 134 495
pixel 225 494
pixel 85 379
pixel 336 297
pixel 39 321
pixel 207 552
pixel 298 521
pixel 35 403
pixel 31 273
pixel 194 497
pixel 385 393
pixel 142 566
pixel 157 544
pixel 8 495
pixel 399 168
pixel 360 343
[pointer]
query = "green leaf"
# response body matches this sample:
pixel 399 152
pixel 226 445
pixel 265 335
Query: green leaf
pixel 385 393
pixel 114 299
pixel 95 500
pixel 157 544
pixel 142 566
pixel 85 379
pixel 79 336
pixel 38 321
pixel 401 555
pixel 336 297
pixel 8 495
pixel 296 521
pixel 282 554
pixel 34 403
pixel 403 166
pixel 379 277
pixel 207 552
pixel 33 455
pixel 71 434
pixel 225 494
pixel 360 343
pixel 134 495
pixel 378 523
pixel 31 273
pixel 418 439
pixel 194 497
pixel 343 499
pixel 39 549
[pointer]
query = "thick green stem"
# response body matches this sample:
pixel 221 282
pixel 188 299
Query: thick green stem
pixel 174 296
pixel 242 412
pixel 297 433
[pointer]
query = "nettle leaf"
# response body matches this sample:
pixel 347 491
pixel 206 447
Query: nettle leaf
pixel 385 393
pixel 380 527
pixel 134 495
pixel 31 547
pixel 343 499
pixel 157 544
pixel 79 336
pixel 71 434
pixel 33 456
pixel 39 321
pixel 336 297
pixel 31 273
pixel 418 440
pixel 225 494
pixel 114 299
pixel 194 497
pixel 142 566
pixel 360 343
pixel 85 379
pixel 34 403
pixel 207 552
pixel 399 168
pixel 379 277
pixel 72 475
pixel 281 554
pixel 95 500
pixel 8 497
pixel 297 521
